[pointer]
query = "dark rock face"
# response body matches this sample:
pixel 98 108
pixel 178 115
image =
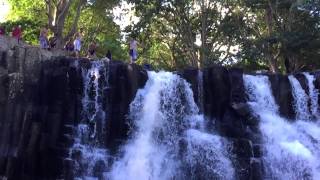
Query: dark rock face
pixel 224 101
pixel 217 90
pixel 40 106
pixel 124 82
pixel 317 82
pixel 282 93
pixel 191 75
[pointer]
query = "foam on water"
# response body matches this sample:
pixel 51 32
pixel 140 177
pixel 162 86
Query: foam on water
pixel 313 94
pixel 291 150
pixel 88 151
pixel 168 136
pixel 300 99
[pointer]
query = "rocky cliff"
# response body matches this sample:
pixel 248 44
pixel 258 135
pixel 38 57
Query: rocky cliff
pixel 40 105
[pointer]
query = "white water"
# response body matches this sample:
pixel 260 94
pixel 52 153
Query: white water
pixel 168 137
pixel 291 150
pixel 313 94
pixel 200 90
pixel 88 150
pixel 300 99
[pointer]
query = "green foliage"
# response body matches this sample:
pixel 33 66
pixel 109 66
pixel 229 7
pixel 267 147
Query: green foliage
pixel 99 26
pixel 95 19
pixel 253 34
pixel 27 9
pixel 282 36
pixel 30 30
pixel 291 35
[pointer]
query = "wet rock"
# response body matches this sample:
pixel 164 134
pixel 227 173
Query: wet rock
pixel 231 125
pixel 317 82
pixel 257 150
pixel 255 169
pixel 68 167
pixel 124 81
pixel 242 109
pixel 40 108
pixel 282 93
pixel 191 76
pixel 217 89
pixel 242 148
pixel 238 94
pixel 98 168
pixel 303 82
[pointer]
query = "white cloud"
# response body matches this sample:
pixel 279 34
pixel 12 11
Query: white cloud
pixel 124 15
pixel 4 10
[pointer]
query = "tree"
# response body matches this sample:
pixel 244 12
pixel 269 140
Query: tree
pixel 62 16
pixel 179 24
pixel 29 27
pixel 282 35
pixel 285 34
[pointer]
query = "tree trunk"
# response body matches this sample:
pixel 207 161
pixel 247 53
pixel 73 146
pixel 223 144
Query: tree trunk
pixel 291 63
pixel 57 20
pixel 204 48
pixel 272 61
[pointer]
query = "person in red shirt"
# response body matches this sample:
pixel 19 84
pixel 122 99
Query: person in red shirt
pixel 17 33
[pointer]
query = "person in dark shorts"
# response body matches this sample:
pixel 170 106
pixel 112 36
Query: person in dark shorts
pixel 69 46
pixel 17 33
pixel 133 50
pixel 2 30
pixel 92 50
pixel 78 43
pixel 53 42
pixel 43 38
pixel 109 55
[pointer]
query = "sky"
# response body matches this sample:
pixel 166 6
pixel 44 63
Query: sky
pixel 124 15
pixel 4 9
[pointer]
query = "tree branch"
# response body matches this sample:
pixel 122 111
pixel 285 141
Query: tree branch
pixel 76 19
pixel 49 13
pixel 65 4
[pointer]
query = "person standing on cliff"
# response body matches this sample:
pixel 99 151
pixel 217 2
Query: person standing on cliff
pixel 133 52
pixel 2 31
pixel 17 33
pixel 43 38
pixel 92 50
pixel 52 42
pixel 69 45
pixel 77 43
pixel 109 55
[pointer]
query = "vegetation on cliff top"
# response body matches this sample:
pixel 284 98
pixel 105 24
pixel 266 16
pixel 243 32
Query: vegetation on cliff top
pixel 276 35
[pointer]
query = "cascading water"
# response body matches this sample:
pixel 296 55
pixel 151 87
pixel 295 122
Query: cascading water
pixel 300 99
pixel 89 150
pixel 168 137
pixel 313 94
pixel 291 150
pixel 200 90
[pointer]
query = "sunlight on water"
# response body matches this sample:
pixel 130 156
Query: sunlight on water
pixel 168 139
pixel 88 151
pixel 291 150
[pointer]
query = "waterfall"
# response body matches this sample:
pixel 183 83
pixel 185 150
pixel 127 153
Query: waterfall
pixel 313 94
pixel 300 100
pixel 200 90
pixel 89 150
pixel 291 150
pixel 169 138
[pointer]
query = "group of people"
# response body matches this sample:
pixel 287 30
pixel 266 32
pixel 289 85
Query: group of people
pixel 16 32
pixel 73 45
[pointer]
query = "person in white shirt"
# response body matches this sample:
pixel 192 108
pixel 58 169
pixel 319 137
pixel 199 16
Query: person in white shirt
pixel 77 43
pixel 133 50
